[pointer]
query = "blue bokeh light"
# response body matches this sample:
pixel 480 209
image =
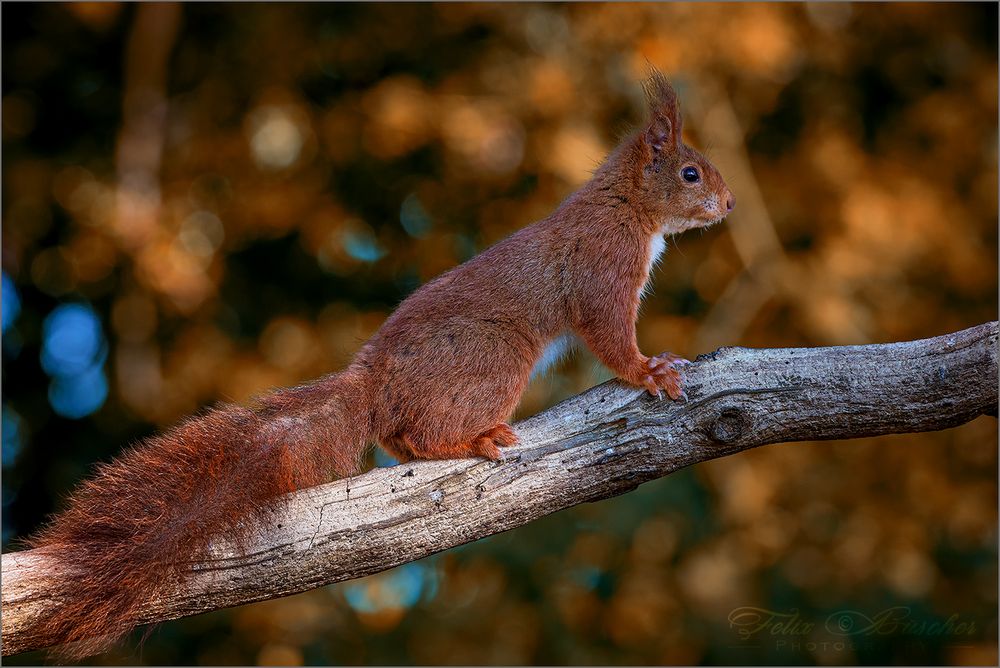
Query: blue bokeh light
pixel 401 587
pixel 13 436
pixel 72 340
pixel 10 303
pixel 73 353
pixel 413 217
pixel 79 395
pixel 362 247
pixel 383 459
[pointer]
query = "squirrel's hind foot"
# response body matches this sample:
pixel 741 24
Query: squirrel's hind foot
pixel 486 444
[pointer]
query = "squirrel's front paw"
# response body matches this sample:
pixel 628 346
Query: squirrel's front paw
pixel 664 374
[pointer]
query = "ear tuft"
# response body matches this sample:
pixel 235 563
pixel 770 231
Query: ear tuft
pixel 665 115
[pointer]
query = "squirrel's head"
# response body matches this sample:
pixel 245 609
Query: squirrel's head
pixel 679 185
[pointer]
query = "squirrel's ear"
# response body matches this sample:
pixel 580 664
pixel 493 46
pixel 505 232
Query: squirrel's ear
pixel 664 131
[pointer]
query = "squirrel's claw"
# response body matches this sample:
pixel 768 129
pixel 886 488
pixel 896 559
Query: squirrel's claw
pixel 665 374
pixel 668 359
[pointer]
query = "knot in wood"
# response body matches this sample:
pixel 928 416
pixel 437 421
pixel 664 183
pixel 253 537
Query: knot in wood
pixel 730 426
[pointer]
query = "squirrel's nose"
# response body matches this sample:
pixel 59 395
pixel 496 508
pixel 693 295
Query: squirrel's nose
pixel 730 202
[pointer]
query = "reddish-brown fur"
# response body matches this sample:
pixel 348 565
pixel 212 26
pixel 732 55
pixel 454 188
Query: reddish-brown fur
pixel 438 380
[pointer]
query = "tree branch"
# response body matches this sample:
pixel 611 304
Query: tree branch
pixel 599 444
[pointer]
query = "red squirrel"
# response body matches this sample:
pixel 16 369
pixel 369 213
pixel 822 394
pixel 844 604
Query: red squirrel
pixel 438 380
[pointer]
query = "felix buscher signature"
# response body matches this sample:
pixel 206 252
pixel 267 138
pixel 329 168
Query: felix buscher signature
pixel 898 620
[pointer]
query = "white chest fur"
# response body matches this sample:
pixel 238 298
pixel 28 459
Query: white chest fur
pixel 657 245
pixel 553 352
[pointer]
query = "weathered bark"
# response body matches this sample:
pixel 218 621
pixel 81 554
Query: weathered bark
pixel 599 444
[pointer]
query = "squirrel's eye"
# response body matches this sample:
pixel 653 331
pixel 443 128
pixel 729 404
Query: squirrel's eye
pixel 690 174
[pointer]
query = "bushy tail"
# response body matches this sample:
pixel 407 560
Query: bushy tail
pixel 129 531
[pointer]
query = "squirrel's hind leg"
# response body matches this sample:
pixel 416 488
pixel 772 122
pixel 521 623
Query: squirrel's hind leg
pixel 486 444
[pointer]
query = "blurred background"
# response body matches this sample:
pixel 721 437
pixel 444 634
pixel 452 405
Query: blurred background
pixel 203 201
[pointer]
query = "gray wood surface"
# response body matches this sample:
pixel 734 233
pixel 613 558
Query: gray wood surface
pixel 596 445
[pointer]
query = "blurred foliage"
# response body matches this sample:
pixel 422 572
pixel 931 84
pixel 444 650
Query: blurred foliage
pixel 201 202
